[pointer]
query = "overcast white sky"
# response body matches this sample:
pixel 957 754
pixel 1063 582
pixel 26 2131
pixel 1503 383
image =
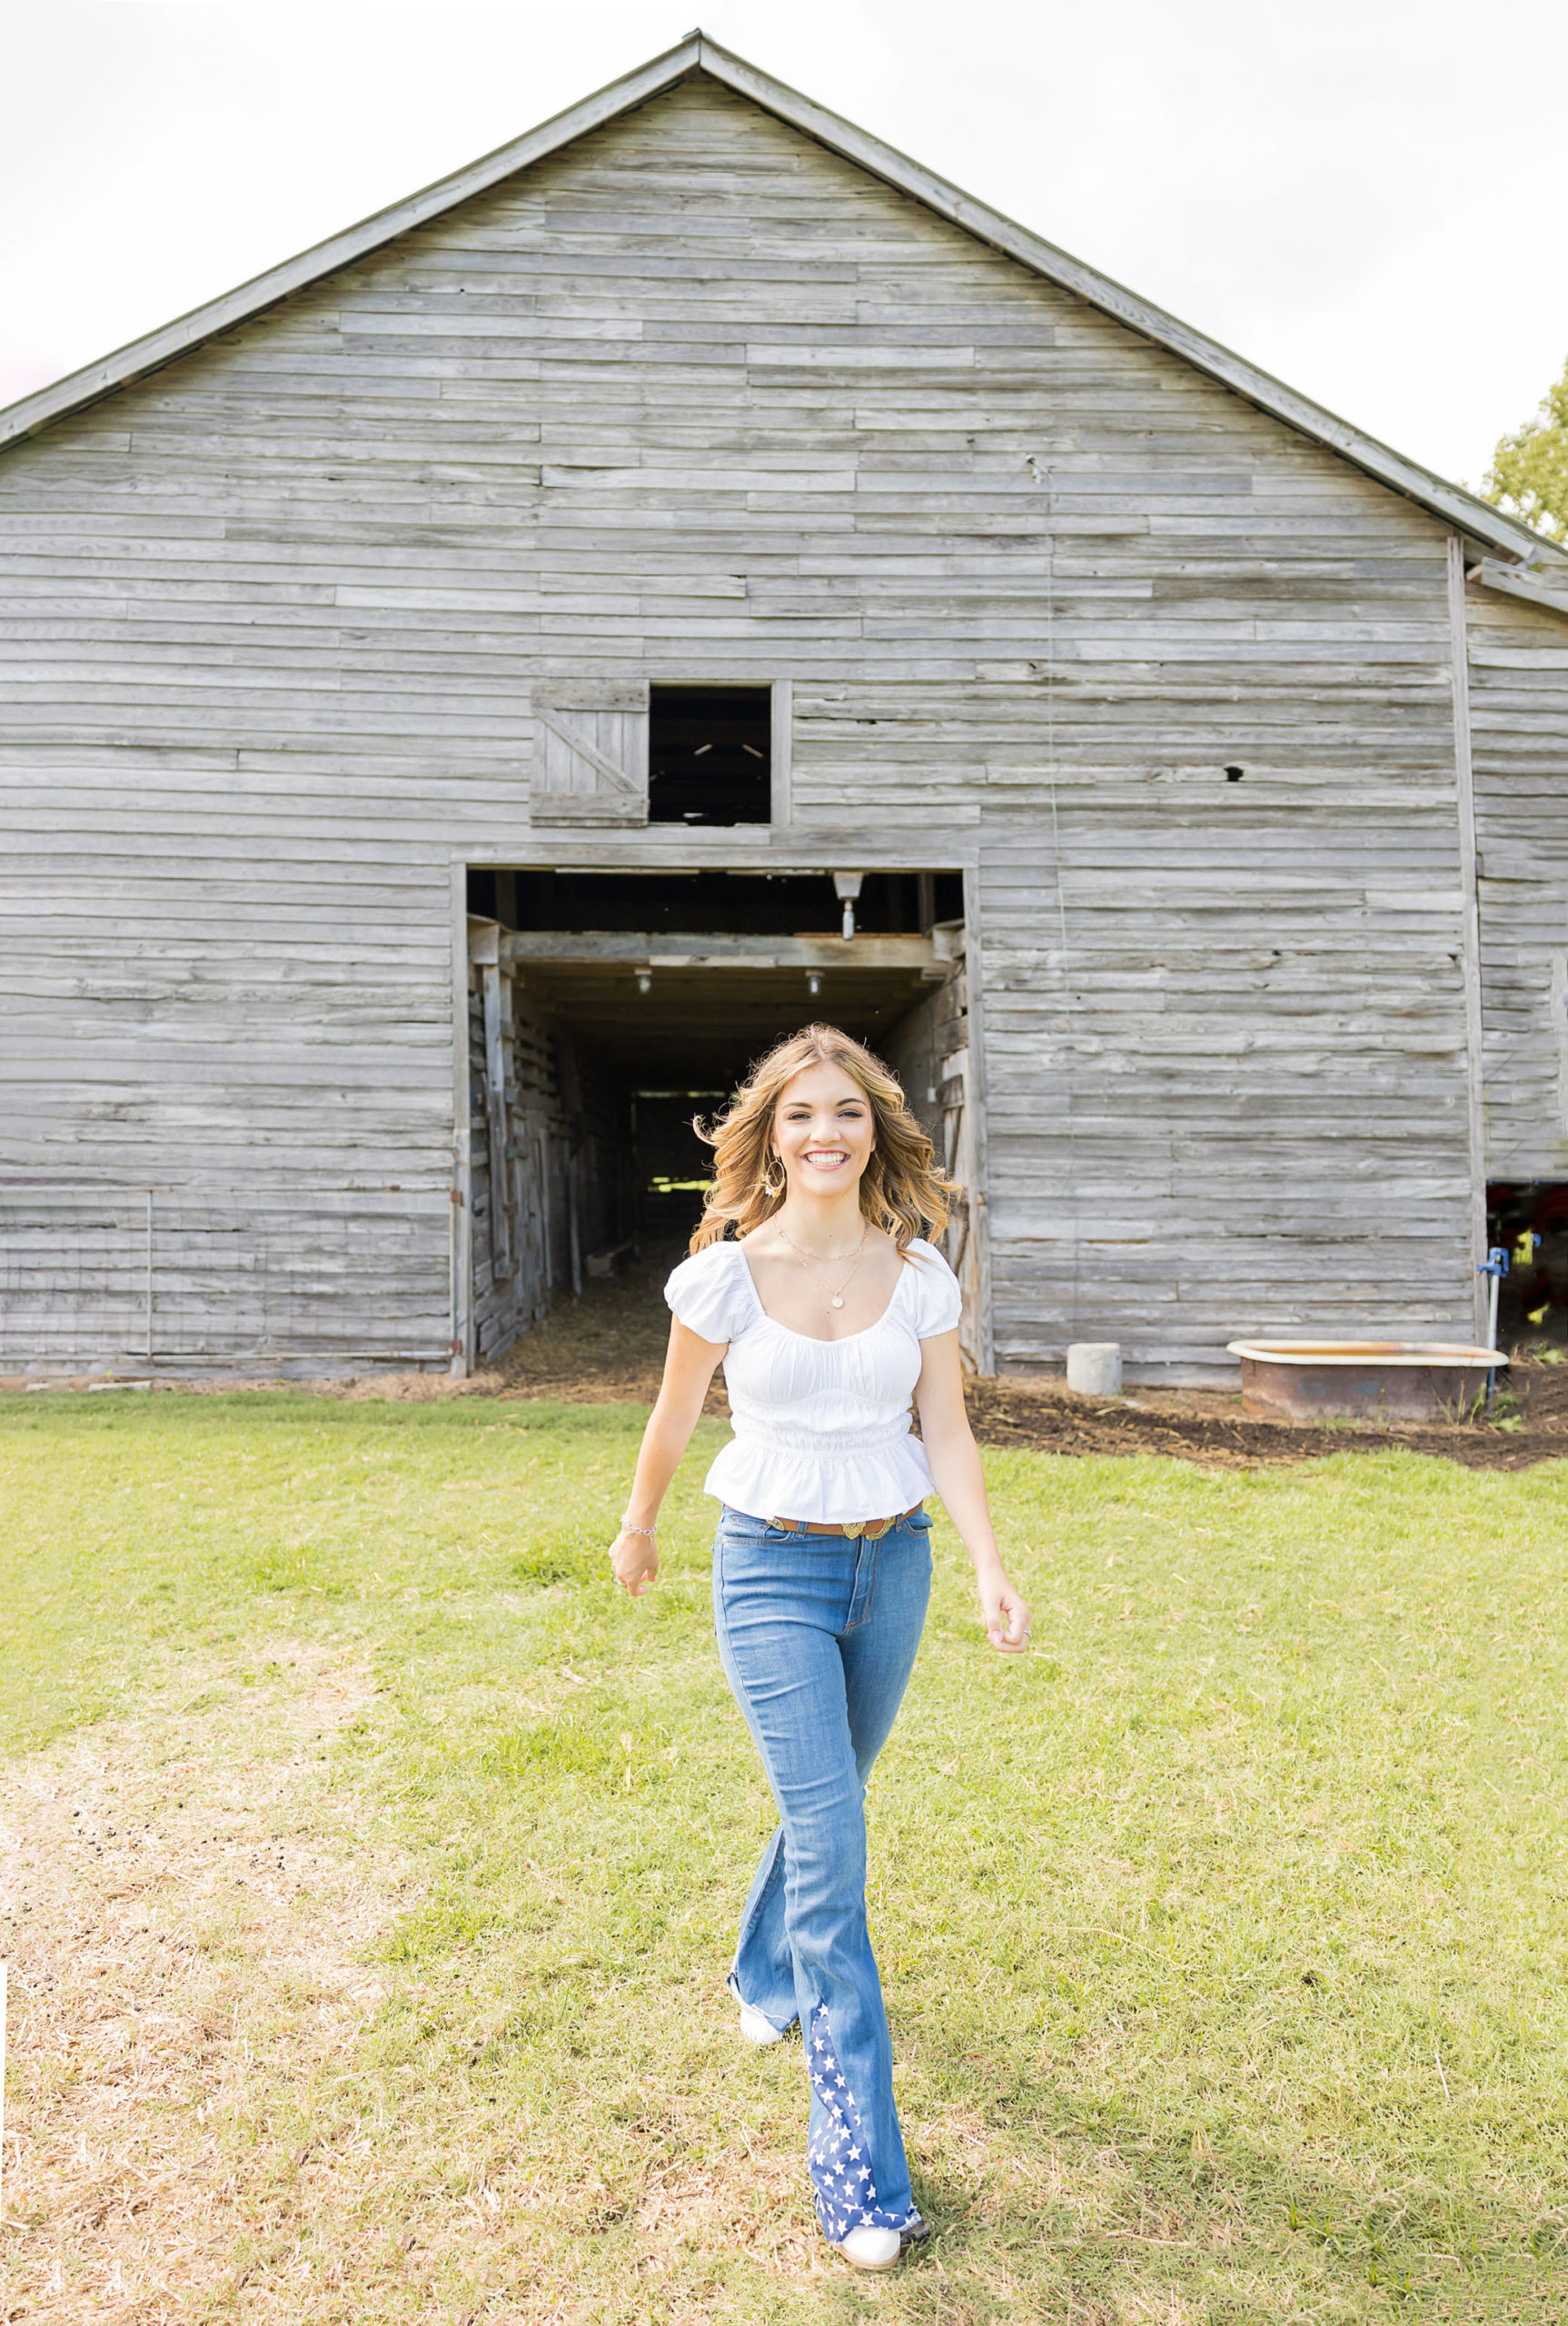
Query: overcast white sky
pixel 1364 196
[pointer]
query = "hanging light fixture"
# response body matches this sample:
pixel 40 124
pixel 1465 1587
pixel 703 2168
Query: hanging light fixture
pixel 847 888
pixel 813 983
pixel 645 980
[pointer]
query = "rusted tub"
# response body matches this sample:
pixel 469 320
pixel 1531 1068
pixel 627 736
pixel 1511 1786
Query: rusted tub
pixel 1387 1380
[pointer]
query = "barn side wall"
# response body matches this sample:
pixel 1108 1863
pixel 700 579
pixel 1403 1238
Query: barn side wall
pixel 1519 721
pixel 697 400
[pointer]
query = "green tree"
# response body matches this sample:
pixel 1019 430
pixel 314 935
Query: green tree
pixel 1529 471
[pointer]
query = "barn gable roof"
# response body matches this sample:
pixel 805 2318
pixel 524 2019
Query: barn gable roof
pixel 1476 519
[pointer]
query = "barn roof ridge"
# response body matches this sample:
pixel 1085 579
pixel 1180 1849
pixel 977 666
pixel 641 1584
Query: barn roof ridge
pixel 698 53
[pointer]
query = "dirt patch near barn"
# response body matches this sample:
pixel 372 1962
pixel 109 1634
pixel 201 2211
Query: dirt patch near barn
pixel 1209 1426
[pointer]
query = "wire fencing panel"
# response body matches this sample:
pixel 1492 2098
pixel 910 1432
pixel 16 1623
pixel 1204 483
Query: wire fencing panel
pixel 183 1277
pixel 73 1280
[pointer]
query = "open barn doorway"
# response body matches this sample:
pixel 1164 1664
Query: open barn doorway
pixel 607 1008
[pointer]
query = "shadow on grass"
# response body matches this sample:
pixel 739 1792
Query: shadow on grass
pixel 1106 2220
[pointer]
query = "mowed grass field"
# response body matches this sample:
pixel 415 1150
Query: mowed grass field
pixel 371 1873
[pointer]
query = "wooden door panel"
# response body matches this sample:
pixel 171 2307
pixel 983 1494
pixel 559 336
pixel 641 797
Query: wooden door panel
pixel 589 754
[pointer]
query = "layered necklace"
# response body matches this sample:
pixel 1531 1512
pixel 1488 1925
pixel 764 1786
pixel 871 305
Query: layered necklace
pixel 835 1296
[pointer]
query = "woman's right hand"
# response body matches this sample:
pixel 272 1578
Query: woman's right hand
pixel 633 1561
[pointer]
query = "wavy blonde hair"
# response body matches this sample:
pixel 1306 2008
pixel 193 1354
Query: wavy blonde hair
pixel 903 1188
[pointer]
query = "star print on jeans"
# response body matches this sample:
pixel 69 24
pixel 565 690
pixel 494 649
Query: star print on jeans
pixel 838 2153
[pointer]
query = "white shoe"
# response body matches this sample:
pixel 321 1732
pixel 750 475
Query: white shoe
pixel 756 2029
pixel 872 2249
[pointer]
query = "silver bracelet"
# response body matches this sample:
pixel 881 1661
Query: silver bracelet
pixel 651 1532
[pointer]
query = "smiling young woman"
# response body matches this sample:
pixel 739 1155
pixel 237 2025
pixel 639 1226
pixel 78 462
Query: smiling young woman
pixel 810 1282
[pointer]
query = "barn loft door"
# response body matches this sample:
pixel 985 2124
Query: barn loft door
pixel 590 752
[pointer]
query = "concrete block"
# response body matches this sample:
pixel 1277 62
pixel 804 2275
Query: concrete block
pixel 1094 1369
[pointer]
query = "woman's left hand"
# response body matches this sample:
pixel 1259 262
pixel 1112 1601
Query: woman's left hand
pixel 634 1559
pixel 1004 1608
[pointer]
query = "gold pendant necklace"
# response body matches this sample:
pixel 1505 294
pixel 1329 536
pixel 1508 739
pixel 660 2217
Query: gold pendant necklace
pixel 835 1299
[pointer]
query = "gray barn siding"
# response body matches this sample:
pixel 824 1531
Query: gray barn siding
pixel 1519 722
pixel 697 399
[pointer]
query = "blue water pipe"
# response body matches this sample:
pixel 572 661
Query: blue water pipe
pixel 1495 1266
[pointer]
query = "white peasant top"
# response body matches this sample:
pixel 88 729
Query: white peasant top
pixel 821 1428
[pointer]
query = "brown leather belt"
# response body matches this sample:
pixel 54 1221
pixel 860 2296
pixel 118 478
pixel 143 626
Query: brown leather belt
pixel 871 1529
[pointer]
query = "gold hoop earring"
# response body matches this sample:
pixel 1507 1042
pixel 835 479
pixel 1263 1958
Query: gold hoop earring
pixel 770 1186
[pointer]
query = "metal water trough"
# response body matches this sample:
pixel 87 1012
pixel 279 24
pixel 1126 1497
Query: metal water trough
pixel 1382 1381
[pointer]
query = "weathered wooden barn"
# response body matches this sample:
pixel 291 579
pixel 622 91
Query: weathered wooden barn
pixel 453 684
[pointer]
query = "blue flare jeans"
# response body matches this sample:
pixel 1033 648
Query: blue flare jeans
pixel 817 1634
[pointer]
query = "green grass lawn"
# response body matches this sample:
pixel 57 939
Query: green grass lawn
pixel 381 1865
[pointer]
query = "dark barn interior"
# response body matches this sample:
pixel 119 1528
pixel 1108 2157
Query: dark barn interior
pixel 624 1004
pixel 710 755
pixel 1528 1220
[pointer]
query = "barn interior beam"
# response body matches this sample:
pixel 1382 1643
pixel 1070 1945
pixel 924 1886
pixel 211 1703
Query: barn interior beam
pixel 708 950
